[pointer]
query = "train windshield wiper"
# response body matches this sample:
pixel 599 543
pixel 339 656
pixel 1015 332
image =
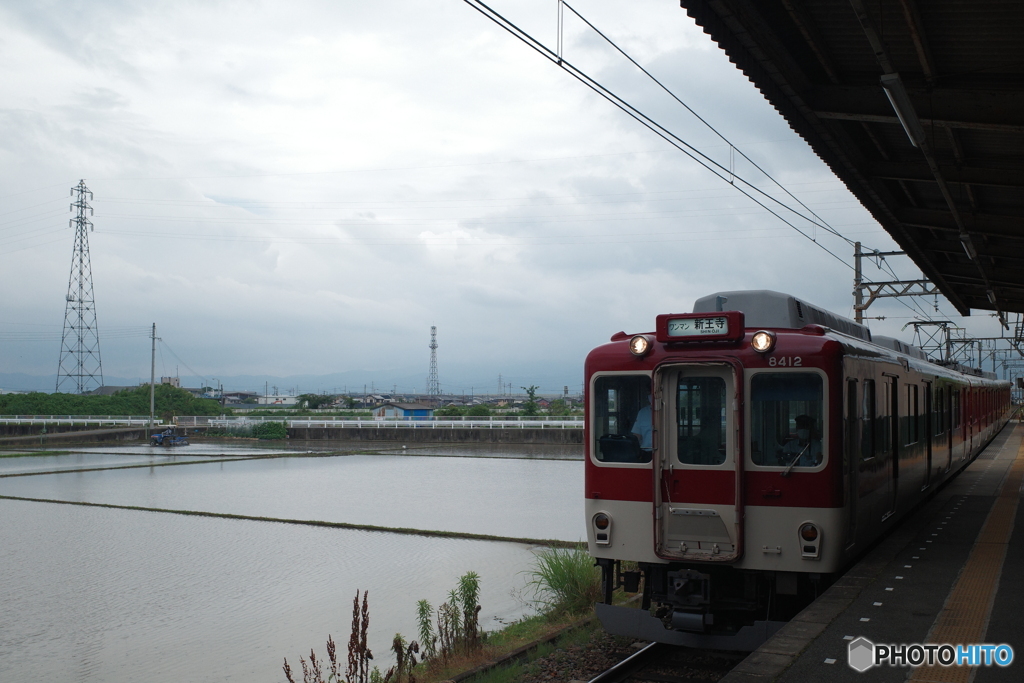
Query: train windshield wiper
pixel 785 472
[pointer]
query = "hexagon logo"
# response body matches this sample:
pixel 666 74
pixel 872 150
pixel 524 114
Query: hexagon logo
pixel 861 654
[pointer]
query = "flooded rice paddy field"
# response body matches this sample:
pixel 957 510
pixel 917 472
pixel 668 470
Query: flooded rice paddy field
pixel 97 594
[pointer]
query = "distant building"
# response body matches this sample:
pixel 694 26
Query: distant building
pixel 235 397
pixel 393 410
pixel 282 401
pixel 173 381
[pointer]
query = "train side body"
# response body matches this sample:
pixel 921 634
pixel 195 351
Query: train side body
pixel 762 473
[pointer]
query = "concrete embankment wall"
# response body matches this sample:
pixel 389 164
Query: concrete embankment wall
pixel 29 434
pixel 428 435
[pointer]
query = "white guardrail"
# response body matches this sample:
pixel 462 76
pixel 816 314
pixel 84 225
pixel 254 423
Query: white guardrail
pixel 101 420
pixel 539 422
pixel 224 421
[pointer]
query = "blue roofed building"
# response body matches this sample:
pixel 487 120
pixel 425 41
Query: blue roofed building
pixel 406 410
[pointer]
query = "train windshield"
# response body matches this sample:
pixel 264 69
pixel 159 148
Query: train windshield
pixel 700 417
pixel 621 421
pixel 786 419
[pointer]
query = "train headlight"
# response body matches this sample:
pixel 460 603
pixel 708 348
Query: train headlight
pixel 602 528
pixel 639 345
pixel 763 341
pixel 810 541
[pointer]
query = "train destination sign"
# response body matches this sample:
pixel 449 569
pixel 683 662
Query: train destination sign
pixel 696 327
pixel 700 327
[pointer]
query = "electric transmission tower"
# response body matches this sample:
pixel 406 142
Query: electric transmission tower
pixel 80 368
pixel 433 387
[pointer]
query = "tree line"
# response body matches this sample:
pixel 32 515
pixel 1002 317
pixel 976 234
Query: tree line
pixel 170 401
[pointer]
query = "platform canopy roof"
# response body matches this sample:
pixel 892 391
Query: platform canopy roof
pixel 918 107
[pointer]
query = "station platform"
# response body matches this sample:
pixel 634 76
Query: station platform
pixel 952 572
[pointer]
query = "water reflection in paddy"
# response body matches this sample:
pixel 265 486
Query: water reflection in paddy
pixel 78 461
pixel 510 497
pixel 93 594
pixel 522 451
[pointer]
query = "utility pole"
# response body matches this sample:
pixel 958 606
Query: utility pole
pixel 858 281
pixel 79 368
pixel 152 380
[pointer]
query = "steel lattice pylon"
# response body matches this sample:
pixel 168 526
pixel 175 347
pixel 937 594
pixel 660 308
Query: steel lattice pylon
pixel 80 368
pixel 433 386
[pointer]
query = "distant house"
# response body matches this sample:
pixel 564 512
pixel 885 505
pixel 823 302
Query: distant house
pixel 280 401
pixel 393 410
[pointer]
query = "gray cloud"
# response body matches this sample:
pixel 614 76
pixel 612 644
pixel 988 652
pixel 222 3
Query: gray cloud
pixel 306 189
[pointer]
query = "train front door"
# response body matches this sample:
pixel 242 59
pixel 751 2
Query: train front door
pixel 697 463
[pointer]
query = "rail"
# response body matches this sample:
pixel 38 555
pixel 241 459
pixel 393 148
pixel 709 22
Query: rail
pixel 632 664
pixel 385 423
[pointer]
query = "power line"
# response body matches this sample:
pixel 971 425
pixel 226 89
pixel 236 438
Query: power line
pixel 164 344
pixel 711 165
pixel 671 94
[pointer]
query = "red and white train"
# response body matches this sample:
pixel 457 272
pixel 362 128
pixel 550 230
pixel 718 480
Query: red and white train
pixel 741 456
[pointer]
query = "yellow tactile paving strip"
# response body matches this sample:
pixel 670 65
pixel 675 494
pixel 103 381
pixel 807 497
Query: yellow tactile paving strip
pixel 964 617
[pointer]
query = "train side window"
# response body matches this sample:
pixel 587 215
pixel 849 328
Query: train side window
pixel 851 421
pixel 701 420
pixel 787 419
pixel 912 415
pixel 867 437
pixel 621 403
pixel 938 412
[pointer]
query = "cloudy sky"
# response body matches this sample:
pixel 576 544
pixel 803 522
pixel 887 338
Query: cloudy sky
pixel 304 188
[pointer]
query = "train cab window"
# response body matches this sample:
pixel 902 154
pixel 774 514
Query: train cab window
pixel 701 420
pixel 787 419
pixel 622 418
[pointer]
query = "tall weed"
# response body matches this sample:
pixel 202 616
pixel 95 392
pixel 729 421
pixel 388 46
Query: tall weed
pixel 565 580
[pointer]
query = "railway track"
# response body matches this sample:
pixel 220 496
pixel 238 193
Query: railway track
pixel 661 663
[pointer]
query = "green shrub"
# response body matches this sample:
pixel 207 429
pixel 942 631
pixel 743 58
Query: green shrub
pixel 270 430
pixel 450 411
pixel 565 580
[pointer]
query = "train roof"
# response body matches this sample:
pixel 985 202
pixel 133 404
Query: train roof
pixel 901 346
pixel 765 308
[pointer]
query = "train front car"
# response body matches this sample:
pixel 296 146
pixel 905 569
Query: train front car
pixel 714 468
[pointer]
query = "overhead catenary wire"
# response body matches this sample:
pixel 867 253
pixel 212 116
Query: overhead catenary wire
pixel 732 147
pixel 559 59
pixel 711 165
